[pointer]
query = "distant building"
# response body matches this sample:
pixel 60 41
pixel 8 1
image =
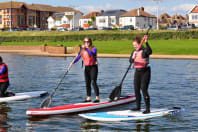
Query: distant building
pixel 138 18
pixel 108 19
pixel 68 20
pixel 84 21
pixel 165 20
pixel 193 15
pixel 21 15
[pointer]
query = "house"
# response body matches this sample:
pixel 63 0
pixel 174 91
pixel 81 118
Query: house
pixel 193 15
pixel 88 20
pixel 165 20
pixel 137 18
pixel 68 20
pixel 108 19
pixel 21 15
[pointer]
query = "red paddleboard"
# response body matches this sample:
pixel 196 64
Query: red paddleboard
pixel 80 107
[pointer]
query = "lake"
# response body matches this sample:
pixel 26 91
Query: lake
pixel 173 83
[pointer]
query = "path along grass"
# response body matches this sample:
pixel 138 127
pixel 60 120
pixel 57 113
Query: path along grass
pixel 163 47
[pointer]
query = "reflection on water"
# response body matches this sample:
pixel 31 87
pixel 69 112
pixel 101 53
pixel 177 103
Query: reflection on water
pixel 4 109
pixel 173 83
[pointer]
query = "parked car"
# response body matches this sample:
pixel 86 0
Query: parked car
pixel 128 27
pixel 107 28
pixel 77 29
pixel 174 27
pixel 187 26
pixel 62 29
pixel 91 29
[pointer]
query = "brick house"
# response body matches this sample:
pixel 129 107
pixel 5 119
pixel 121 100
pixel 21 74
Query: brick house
pixel 23 16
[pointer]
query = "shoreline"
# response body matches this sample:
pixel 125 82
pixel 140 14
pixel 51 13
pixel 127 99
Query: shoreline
pixel 38 53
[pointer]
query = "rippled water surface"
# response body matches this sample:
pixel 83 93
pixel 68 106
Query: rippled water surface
pixel 173 83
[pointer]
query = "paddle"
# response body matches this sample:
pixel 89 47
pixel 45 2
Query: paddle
pixel 115 94
pixel 46 102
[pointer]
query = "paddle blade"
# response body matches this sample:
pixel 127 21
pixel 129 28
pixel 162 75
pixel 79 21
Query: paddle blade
pixel 46 103
pixel 115 94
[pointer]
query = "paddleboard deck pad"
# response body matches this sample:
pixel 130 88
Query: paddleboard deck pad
pixel 129 114
pixel 23 96
pixel 80 107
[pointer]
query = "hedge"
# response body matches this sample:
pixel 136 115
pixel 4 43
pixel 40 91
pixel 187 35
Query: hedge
pixel 104 36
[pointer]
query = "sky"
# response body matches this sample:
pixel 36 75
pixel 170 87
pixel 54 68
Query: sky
pixel 86 6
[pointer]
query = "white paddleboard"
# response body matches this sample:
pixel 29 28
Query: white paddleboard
pixel 23 96
pixel 129 114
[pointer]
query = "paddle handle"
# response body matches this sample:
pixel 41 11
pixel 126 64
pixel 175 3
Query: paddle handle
pixel 142 41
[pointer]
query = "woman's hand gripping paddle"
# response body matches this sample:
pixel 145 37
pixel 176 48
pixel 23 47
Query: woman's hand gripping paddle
pixel 46 102
pixel 115 94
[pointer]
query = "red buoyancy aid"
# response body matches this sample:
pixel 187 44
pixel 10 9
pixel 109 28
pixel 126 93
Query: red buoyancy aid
pixel 139 61
pixel 4 76
pixel 87 59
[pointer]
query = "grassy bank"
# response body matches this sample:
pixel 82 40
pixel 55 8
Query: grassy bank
pixel 163 47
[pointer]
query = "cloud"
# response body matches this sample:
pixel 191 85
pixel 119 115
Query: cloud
pixel 90 8
pixel 184 8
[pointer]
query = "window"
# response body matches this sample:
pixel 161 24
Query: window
pixel 85 21
pixel 33 20
pixel 8 10
pixel 130 19
pixel 112 20
pixel 102 20
pixel 30 20
pixel 18 19
pixel 0 10
pixel 64 22
pixel 193 17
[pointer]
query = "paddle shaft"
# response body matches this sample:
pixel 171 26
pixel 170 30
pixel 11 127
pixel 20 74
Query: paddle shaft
pixel 62 78
pixel 125 74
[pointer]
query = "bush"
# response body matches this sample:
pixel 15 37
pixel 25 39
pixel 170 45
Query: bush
pixel 106 36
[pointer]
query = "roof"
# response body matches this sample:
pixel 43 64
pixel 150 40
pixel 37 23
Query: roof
pixel 195 9
pixel 113 12
pixel 95 13
pixel 38 7
pixel 58 16
pixel 13 4
pixel 137 12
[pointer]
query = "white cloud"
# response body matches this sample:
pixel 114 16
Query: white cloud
pixel 89 8
pixel 184 8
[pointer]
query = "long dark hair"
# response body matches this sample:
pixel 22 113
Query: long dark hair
pixel 89 39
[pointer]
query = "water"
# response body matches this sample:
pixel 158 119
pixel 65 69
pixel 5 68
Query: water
pixel 173 83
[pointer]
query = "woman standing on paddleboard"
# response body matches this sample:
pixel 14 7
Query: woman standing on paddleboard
pixel 89 56
pixel 140 58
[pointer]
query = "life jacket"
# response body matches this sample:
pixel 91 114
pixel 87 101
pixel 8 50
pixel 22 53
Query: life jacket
pixel 139 61
pixel 87 59
pixel 4 76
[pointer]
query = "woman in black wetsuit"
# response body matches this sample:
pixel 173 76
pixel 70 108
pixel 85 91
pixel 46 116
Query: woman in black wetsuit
pixel 140 58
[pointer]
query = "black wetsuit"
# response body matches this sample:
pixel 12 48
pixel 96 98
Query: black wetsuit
pixel 91 73
pixel 142 79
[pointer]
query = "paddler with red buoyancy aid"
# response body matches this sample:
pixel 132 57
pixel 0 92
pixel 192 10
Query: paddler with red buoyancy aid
pixel 140 58
pixel 4 79
pixel 89 56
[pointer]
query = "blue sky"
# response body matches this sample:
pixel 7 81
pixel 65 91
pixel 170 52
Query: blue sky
pixel 166 6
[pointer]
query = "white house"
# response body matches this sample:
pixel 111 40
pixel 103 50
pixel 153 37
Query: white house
pixel 193 15
pixel 108 18
pixel 83 22
pixel 67 20
pixel 137 18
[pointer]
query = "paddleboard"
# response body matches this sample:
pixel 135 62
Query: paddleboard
pixel 80 107
pixel 23 96
pixel 129 114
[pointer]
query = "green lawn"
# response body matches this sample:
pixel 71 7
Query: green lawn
pixel 164 47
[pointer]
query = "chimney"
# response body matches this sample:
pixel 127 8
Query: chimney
pixel 101 11
pixel 138 11
pixel 142 8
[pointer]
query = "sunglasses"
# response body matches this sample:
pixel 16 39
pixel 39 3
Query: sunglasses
pixel 86 41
